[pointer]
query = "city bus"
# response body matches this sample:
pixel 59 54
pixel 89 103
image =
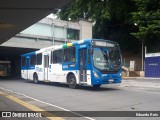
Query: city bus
pixel 5 68
pixel 90 62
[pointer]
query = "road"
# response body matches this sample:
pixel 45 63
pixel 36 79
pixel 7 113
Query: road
pixel 59 97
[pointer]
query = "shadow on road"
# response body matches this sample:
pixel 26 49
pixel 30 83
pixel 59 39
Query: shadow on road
pixel 89 88
pixel 56 84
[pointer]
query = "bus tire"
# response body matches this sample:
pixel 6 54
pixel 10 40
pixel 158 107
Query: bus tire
pixel 72 81
pixel 35 78
pixel 97 86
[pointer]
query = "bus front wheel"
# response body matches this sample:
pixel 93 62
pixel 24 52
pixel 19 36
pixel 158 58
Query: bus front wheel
pixel 72 81
pixel 35 78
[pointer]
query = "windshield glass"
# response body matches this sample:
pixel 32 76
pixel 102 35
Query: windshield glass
pixel 107 58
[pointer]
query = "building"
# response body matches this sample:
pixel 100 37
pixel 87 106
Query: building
pixel 49 31
pixel 45 33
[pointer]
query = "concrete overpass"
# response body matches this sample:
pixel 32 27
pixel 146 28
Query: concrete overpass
pixel 44 33
pixel 16 15
pixel 48 32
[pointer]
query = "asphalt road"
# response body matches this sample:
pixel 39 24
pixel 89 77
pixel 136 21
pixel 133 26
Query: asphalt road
pixel 60 97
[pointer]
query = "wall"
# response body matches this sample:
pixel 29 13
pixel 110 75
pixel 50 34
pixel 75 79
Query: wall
pixel 152 65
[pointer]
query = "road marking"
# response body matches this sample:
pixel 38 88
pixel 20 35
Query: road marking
pixel 48 103
pixel 32 107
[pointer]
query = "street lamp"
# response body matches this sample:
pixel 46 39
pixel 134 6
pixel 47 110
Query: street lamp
pixel 135 24
pixel 142 50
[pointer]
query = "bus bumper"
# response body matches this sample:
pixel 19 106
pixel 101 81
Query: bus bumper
pixel 108 79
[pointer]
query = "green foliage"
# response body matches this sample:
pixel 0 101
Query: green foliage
pixel 147 18
pixel 115 19
pixel 87 9
pixel 98 10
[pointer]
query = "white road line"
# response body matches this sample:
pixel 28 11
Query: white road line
pixel 47 103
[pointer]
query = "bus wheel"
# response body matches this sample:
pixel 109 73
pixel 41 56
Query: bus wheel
pixel 72 81
pixel 35 78
pixel 97 86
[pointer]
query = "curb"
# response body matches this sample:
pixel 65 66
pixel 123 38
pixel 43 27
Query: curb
pixel 144 78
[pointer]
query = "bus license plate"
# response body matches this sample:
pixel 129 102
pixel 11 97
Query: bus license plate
pixel 111 81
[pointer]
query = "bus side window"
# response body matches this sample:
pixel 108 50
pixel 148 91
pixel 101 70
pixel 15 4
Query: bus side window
pixel 39 59
pixel 89 55
pixel 69 54
pixel 57 56
pixel 32 60
pixel 23 61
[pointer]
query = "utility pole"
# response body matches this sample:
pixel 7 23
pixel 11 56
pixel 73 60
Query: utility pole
pixel 142 55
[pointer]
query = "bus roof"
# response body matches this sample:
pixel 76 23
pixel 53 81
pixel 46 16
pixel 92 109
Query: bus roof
pixel 64 46
pixel 31 53
pixel 69 45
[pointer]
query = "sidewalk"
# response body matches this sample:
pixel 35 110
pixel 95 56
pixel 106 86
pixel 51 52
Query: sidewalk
pixel 139 78
pixel 143 82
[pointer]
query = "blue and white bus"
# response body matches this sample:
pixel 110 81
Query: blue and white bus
pixel 86 62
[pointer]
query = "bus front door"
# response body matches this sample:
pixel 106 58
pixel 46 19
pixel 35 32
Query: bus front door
pixel 46 66
pixel 83 65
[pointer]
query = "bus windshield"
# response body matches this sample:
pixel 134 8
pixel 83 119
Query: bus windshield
pixel 107 58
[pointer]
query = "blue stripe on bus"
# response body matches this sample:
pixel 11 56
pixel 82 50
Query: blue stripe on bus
pixel 87 40
pixel 75 43
pixel 69 66
pixel 27 67
pixel 27 54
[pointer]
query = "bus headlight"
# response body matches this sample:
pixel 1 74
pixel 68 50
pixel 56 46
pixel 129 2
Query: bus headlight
pixel 95 74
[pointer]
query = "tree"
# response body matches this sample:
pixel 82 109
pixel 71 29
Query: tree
pixel 95 11
pixel 87 9
pixel 147 19
pixel 107 14
pixel 113 19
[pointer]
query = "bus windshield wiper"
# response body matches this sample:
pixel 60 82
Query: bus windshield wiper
pixel 105 55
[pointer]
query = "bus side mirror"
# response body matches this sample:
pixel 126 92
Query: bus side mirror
pixel 91 51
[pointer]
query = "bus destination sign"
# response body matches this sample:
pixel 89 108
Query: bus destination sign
pixel 103 44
